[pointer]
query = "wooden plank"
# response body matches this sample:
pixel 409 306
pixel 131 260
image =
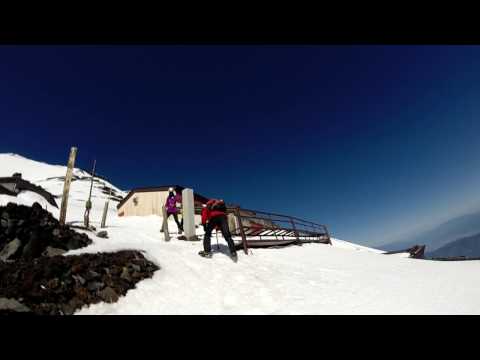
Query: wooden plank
pixel 66 185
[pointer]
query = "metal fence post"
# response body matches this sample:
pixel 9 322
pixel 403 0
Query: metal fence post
pixel 242 232
pixel 295 230
pixel 328 235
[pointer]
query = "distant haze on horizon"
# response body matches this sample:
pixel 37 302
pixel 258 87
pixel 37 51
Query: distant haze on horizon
pixel 375 141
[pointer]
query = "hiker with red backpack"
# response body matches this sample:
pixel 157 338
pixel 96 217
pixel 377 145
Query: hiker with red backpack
pixel 214 215
pixel 171 207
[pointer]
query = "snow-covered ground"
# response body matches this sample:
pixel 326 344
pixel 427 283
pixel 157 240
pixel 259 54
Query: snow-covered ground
pixel 50 178
pixel 312 279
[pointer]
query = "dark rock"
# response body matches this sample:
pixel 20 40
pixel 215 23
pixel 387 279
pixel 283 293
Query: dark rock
pixel 109 295
pixel 78 267
pixel 33 248
pixel 135 267
pixel 67 309
pixel 92 275
pixel 102 234
pixel 51 251
pixel 63 284
pixel 11 207
pixel 125 275
pixel 11 228
pixel 83 294
pixel 74 304
pixel 95 286
pixel 136 275
pixel 10 249
pixel 73 243
pixel 37 230
pixel 12 305
pixel 79 279
pixel 53 283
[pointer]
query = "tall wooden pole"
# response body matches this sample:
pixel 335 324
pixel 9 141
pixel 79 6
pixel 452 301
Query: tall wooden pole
pixel 88 205
pixel 105 210
pixel 66 185
pixel 165 224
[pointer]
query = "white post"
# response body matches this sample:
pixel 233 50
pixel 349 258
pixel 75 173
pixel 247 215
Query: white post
pixel 165 224
pixel 188 207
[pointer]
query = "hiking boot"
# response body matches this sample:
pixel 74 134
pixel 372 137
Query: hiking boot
pixel 234 257
pixel 205 254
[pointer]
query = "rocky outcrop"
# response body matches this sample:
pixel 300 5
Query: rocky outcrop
pixel 102 234
pixel 60 285
pixel 30 231
pixel 15 184
pixel 11 306
pixel 36 279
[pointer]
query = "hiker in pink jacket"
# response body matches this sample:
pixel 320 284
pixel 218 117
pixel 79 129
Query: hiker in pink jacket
pixel 171 207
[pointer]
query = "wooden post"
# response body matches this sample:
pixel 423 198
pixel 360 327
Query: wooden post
pixel 105 210
pixel 66 185
pixel 165 224
pixel 88 205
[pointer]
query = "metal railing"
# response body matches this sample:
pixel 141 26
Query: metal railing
pixel 259 228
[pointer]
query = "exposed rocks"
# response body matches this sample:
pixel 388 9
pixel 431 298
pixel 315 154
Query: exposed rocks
pixel 108 294
pixel 36 279
pixel 102 234
pixel 135 267
pixel 15 184
pixel 51 251
pixel 8 306
pixel 63 284
pixel 416 252
pixel 30 231
pixel 95 286
pixel 10 250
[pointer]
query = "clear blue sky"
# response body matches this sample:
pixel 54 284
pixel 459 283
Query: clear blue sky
pixel 374 141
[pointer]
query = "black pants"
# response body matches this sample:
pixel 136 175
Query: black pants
pixel 220 221
pixel 175 217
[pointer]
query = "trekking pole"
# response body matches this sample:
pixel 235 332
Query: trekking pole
pixel 216 234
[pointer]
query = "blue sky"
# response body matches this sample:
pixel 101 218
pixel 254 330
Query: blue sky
pixel 374 141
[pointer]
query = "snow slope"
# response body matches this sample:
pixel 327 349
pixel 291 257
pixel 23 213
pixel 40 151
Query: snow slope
pixel 312 279
pixel 50 177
